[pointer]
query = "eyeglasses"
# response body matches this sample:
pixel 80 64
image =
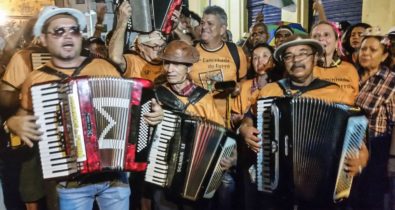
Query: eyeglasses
pixel 61 31
pixel 301 56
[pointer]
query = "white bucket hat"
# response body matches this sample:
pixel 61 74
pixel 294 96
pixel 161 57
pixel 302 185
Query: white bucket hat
pixel 50 11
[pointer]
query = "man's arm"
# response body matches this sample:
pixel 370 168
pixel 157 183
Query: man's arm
pixel 23 124
pixel 117 41
pixel 101 12
pixel 319 9
pixel 9 98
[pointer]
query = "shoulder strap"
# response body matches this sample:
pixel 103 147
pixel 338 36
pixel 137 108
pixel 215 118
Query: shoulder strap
pixel 316 84
pixel 51 71
pixel 62 75
pixel 195 96
pixel 167 98
pixel 235 55
pixel 285 86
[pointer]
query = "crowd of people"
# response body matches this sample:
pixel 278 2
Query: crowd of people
pixel 198 70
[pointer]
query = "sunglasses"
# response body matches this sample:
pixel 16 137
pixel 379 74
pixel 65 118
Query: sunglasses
pixel 61 31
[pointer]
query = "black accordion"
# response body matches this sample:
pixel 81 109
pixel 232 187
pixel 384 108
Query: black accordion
pixel 92 124
pixel 304 144
pixel 185 156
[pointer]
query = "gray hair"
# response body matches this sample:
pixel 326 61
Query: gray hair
pixel 218 11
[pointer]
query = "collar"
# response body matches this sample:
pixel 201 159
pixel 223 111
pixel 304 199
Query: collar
pixel 336 63
pixel 255 84
pixel 383 72
pixel 186 91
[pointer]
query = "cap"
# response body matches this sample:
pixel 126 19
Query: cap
pixel 50 11
pixel 295 40
pixel 180 52
pixel 283 28
pixel 151 37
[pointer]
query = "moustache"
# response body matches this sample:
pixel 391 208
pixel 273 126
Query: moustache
pixel 297 65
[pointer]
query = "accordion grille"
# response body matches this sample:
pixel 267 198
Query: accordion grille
pixel 313 126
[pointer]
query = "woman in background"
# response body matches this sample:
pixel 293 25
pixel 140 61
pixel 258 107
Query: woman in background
pixel 377 100
pixel 352 41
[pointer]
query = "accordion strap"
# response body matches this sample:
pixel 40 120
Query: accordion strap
pixel 285 85
pixel 169 99
pixel 62 75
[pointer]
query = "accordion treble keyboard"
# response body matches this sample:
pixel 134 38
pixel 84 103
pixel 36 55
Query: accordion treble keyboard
pixel 267 175
pixel 55 160
pixel 39 59
pixel 157 168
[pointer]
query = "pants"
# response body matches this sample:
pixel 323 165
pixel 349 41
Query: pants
pixel 108 197
pixel 371 186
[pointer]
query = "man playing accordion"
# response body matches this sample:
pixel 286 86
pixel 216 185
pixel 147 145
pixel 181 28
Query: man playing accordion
pixel 299 56
pixel 60 29
pixel 180 95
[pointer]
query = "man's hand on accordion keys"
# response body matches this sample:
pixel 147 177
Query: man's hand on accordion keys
pixel 355 164
pixel 156 114
pixel 25 127
pixel 250 134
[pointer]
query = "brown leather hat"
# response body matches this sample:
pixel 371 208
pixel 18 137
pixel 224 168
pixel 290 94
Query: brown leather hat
pixel 180 52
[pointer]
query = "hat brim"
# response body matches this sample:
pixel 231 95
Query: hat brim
pixel 56 11
pixel 310 42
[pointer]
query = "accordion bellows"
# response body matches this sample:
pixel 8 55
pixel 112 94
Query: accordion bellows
pixel 92 124
pixel 304 145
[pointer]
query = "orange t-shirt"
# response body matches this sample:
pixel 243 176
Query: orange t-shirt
pixel 18 68
pixel 97 67
pixel 204 108
pixel 217 66
pixel 137 67
pixel 345 75
pixel 245 99
pixel 331 93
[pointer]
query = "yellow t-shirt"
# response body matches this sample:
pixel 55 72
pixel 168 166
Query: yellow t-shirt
pixel 18 68
pixel 245 99
pixel 345 75
pixel 331 93
pixel 204 108
pixel 137 67
pixel 217 66
pixel 97 67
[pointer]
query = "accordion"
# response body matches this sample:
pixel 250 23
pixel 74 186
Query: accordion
pixel 92 124
pixel 304 145
pixel 185 156
pixel 150 15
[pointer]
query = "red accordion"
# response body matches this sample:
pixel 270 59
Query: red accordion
pixel 92 125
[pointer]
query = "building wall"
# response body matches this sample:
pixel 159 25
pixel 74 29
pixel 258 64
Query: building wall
pixel 379 13
pixel 235 9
